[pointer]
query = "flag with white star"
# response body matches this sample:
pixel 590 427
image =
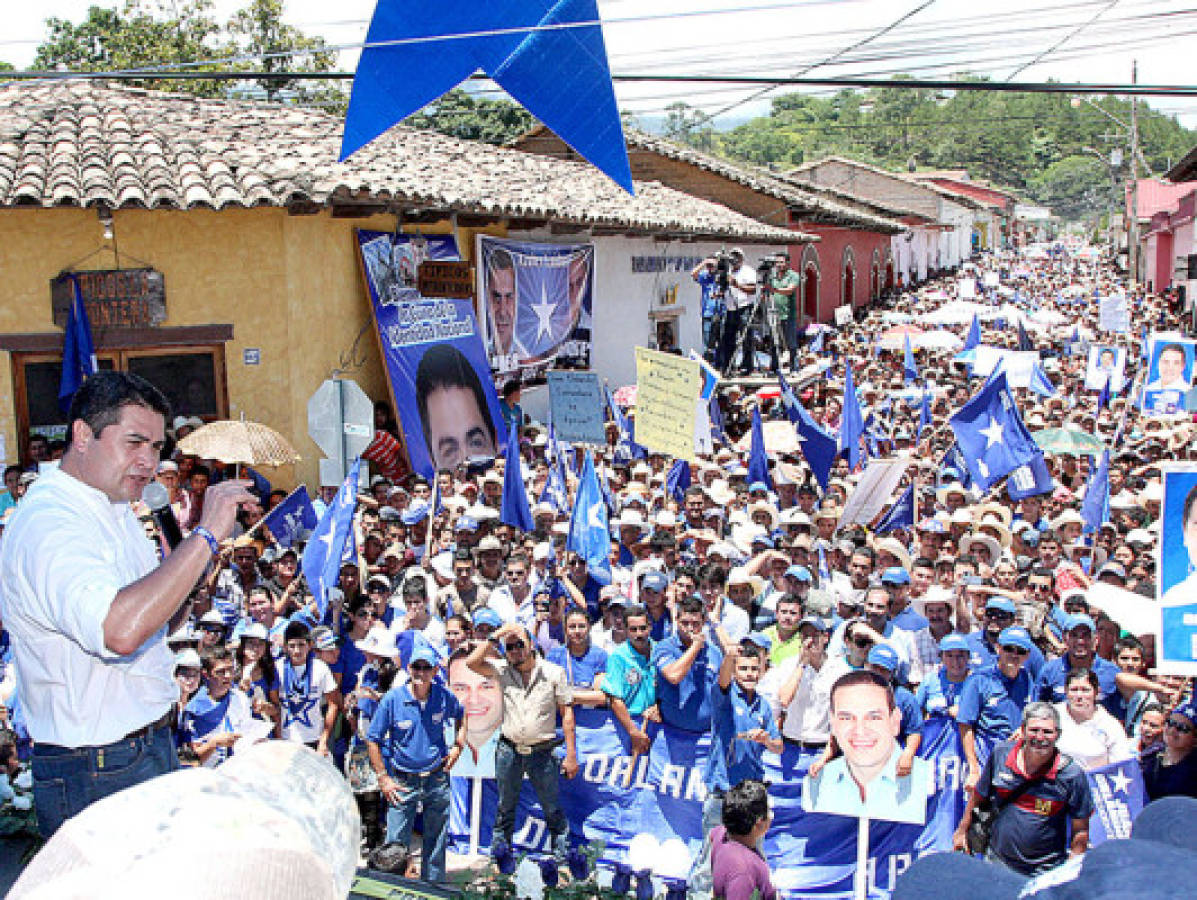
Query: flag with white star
pixel 323 554
pixel 991 435
pixel 589 532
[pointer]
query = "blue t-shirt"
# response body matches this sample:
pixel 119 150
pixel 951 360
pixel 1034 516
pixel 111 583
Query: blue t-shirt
pixel 710 303
pixel 912 719
pixel 686 705
pixel 661 628
pixel 993 703
pixel 1050 685
pixel 632 678
pixel 410 734
pixel 349 663
pixel 909 620
pixel 936 695
pixel 981 655
pixel 733 713
pixel 580 671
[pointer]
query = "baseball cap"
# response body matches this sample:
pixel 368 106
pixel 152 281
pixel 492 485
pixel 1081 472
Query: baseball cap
pixel 814 622
pixel 414 513
pixel 323 638
pixel 424 654
pixel 1112 568
pixel 487 616
pixel 465 523
pixel 1001 604
pixel 759 639
pixel 654 581
pixel 953 642
pixel 1015 636
pixel 802 573
pixel 883 655
pixel 895 575
pixel 187 659
pixel 255 630
pixel 1079 621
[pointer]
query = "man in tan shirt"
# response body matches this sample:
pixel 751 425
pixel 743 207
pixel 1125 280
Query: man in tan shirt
pixel 534 693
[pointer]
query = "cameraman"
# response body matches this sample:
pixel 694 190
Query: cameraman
pixel 784 284
pixel 741 289
pixel 706 275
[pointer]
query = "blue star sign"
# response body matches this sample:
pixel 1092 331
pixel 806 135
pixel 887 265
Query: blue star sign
pixel 549 56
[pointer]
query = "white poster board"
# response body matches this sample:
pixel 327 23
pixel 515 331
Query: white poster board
pixel 843 316
pixel 874 490
pixel 1017 364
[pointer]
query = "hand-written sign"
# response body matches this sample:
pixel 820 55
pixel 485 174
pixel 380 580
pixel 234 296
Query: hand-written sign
pixel 114 298
pixel 667 387
pixel 576 401
pixel 445 278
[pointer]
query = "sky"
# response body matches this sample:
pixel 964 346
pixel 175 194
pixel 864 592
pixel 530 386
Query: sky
pixel 1078 40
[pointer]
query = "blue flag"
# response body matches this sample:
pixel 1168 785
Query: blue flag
pixel 626 448
pixel 1031 479
pixel 816 346
pixel 677 479
pixel 901 514
pixel 758 460
pixel 924 412
pixel 324 552
pixel 78 350
pixel 992 437
pixel 415 52
pixel 851 421
pixel 1095 509
pixel 909 369
pixel 1024 339
pixel 291 518
pixel 1040 383
pixel 819 448
pixel 589 535
pixel 954 459
pixel 513 510
pixel 974 334
pixel 1103 399
pixel 718 433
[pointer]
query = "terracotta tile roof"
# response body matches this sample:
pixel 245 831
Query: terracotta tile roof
pixel 87 143
pixel 806 203
pixel 960 199
pixel 1156 196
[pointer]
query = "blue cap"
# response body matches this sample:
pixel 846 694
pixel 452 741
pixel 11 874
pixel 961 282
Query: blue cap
pixel 465 523
pixel 416 512
pixel 1079 620
pixel 933 526
pixel 1001 604
pixel 1112 568
pixel 1187 709
pixel 758 486
pixel 953 641
pixel 815 622
pixel 802 573
pixel 654 581
pixel 487 616
pixel 895 575
pixel 883 655
pixel 422 654
pixel 759 638
pixel 1015 636
pixel 303 619
pixel 763 539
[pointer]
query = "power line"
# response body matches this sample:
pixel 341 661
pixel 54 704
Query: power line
pixel 1065 39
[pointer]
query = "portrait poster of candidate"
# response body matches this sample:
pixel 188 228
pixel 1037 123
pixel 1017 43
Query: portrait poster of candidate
pixel 437 367
pixel 1169 375
pixel 535 305
pixel 1105 363
pixel 1177 648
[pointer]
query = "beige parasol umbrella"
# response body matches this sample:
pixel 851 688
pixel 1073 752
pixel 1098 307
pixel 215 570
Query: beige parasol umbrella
pixel 780 437
pixel 239 442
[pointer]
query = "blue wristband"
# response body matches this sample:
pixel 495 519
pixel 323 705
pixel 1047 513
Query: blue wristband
pixel 213 544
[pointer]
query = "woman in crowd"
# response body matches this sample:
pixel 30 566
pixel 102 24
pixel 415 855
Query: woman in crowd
pixel 1088 733
pixel 1171 768
pixel 257 675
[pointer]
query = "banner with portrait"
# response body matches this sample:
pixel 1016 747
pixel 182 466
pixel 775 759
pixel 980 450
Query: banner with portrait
pixel 535 305
pixel 1176 650
pixel 433 353
pixel 1169 374
pixel 1106 363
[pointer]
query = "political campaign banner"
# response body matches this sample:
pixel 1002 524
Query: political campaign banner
pixel 874 490
pixel 1019 365
pixel 1176 652
pixel 1113 314
pixel 437 367
pixel 1106 364
pixel 811 854
pixel 1118 796
pixel 667 387
pixel 1169 375
pixel 536 303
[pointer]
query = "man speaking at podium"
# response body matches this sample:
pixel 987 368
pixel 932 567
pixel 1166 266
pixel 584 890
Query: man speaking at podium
pixel 88 603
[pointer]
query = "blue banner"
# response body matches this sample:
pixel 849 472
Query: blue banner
pixel 1118 796
pixel 536 305
pixel 292 518
pixel 439 375
pixel 811 855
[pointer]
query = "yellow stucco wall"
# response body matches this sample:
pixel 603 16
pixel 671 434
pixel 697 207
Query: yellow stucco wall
pixel 289 285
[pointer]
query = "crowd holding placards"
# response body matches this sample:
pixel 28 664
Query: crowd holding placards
pixel 727 605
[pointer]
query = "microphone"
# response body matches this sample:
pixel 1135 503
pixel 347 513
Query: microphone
pixel 157 498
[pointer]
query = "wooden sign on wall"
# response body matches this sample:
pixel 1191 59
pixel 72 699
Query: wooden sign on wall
pixel 115 298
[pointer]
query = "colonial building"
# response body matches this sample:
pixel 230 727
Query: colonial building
pixel 848 265
pixel 215 246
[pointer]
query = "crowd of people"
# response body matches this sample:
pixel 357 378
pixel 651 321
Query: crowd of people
pixel 733 607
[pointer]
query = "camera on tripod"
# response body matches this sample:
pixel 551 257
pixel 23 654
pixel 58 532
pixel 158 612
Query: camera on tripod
pixel 723 268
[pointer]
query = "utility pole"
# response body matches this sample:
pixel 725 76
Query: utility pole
pixel 1132 231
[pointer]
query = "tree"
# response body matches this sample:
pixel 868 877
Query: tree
pixel 462 115
pixel 259 30
pixel 1074 186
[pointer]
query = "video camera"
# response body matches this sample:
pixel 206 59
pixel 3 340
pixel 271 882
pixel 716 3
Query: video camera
pixel 723 267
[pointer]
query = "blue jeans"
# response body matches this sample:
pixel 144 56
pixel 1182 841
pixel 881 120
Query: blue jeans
pixel 432 791
pixel 543 771
pixel 68 780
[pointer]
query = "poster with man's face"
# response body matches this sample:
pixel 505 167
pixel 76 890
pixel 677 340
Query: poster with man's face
pixel 1169 375
pixel 535 306
pixel 1176 649
pixel 1106 363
